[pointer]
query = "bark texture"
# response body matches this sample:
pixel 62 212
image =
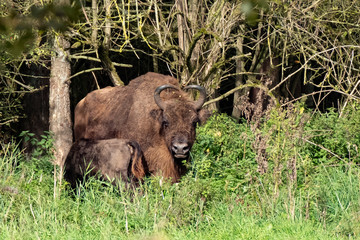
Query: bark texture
pixel 59 100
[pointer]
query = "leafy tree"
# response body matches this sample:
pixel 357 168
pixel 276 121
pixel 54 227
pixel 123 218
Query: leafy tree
pixel 24 34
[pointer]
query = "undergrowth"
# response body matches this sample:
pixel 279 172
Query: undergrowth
pixel 310 189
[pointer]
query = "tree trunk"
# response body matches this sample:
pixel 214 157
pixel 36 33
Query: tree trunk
pixel 95 25
pixel 59 100
pixel 236 112
pixel 181 6
pixel 104 50
pixel 107 28
pixel 109 67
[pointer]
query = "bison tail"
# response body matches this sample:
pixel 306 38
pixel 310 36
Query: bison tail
pixel 138 167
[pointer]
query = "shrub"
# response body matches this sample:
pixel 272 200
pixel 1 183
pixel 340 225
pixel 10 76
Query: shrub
pixel 334 139
pixel 301 149
pixel 223 157
pixel 42 155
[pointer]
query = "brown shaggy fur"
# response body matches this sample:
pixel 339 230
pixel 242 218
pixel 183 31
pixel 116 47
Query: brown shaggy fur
pixel 131 112
pixel 111 159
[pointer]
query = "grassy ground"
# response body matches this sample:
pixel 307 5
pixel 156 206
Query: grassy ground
pixel 310 191
pixel 30 211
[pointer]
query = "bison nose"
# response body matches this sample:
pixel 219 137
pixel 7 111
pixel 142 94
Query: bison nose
pixel 180 149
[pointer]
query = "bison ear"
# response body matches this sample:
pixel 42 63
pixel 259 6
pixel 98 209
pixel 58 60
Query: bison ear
pixel 204 114
pixel 156 114
pixel 139 168
pixel 138 164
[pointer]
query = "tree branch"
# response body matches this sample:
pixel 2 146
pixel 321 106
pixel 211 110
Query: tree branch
pixel 98 60
pixel 255 85
pixel 85 71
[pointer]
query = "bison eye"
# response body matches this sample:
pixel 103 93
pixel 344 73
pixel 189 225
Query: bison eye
pixel 165 124
pixel 195 122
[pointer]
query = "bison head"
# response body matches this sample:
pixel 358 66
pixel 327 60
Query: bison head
pixel 178 117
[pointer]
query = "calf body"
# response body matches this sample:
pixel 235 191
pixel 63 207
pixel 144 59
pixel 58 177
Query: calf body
pixel 110 159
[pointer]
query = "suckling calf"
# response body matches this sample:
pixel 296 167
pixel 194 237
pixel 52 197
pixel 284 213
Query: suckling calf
pixel 110 159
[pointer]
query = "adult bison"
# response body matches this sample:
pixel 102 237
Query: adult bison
pixel 110 159
pixel 151 110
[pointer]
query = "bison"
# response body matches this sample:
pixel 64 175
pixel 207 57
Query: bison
pixel 153 111
pixel 111 159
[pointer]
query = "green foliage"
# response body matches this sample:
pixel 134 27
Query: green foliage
pixel 43 147
pixel 251 9
pixel 42 150
pixel 335 138
pixel 24 34
pixel 280 140
pixel 20 25
pixel 223 153
pixel 10 105
pixel 305 193
pixel 302 154
pixel 157 209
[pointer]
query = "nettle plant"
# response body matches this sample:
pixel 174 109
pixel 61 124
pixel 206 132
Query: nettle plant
pixel 335 139
pixel 42 149
pixel 223 155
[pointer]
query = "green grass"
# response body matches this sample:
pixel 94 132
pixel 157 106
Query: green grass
pixel 29 210
pixel 222 197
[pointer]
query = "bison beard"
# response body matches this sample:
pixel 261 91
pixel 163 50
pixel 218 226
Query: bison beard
pixel 151 110
pixel 111 159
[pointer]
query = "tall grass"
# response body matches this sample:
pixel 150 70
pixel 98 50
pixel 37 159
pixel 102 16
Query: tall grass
pixel 306 193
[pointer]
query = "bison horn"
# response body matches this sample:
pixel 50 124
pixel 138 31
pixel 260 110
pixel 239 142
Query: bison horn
pixel 198 103
pixel 157 98
pixel 202 97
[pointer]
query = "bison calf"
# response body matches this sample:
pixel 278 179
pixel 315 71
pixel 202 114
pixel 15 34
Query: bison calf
pixel 110 159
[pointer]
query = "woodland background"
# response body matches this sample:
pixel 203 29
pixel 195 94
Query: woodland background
pixel 309 50
pixel 282 79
